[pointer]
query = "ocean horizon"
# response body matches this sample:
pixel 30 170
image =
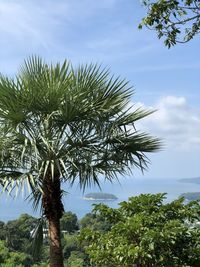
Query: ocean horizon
pixel 12 207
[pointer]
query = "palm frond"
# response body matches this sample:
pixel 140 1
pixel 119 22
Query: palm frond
pixel 38 236
pixel 57 120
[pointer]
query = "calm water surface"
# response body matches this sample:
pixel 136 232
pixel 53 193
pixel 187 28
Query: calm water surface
pixel 11 208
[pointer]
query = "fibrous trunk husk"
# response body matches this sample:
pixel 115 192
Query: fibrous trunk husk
pixel 53 210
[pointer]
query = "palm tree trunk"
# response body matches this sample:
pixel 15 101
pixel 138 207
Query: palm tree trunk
pixel 53 210
pixel 56 256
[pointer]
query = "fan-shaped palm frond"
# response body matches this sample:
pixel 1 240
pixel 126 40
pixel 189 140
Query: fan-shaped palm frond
pixel 60 123
pixel 72 121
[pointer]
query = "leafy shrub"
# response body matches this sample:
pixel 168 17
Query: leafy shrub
pixel 145 231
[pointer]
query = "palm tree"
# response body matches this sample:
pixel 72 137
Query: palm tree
pixel 60 123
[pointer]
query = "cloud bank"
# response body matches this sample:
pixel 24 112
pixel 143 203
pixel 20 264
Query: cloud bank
pixel 176 122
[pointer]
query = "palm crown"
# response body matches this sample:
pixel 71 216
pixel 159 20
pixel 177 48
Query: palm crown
pixel 71 121
pixel 60 123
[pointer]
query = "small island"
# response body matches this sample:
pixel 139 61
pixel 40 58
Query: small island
pixel 100 196
pixel 195 180
pixel 191 196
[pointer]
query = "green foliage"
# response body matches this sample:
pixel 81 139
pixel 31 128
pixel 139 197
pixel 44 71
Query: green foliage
pixel 66 122
pixel 94 222
pixel 11 259
pixel 60 123
pixel 4 251
pixel 146 232
pixel 2 231
pixel 176 21
pixel 76 259
pixel 40 265
pixel 73 252
pixel 69 222
pixel 16 245
pixel 38 251
pixel 18 233
pixel 18 259
pixel 70 243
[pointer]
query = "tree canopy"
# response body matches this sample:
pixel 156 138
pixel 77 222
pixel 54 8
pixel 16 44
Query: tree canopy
pixel 175 21
pixel 145 231
pixel 69 222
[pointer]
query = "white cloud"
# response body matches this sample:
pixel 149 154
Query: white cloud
pixel 176 122
pixel 172 101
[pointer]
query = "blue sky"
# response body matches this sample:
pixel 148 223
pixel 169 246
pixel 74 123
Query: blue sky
pixel 106 32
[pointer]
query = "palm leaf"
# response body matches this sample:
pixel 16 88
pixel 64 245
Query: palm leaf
pixel 70 122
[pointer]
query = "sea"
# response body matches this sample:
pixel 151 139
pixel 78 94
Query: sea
pixel 12 206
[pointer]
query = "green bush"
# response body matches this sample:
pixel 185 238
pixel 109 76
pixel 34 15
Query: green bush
pixel 146 232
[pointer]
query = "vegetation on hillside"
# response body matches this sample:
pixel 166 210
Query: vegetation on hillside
pixel 17 236
pixel 146 232
pixel 143 231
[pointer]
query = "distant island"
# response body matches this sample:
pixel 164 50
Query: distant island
pixel 100 196
pixel 191 196
pixel 191 180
